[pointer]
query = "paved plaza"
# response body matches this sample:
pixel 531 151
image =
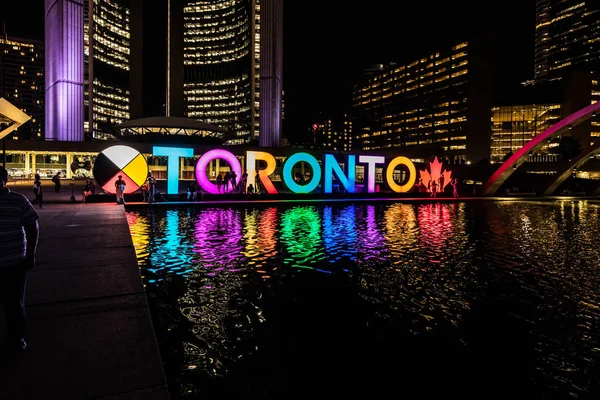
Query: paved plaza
pixel 90 332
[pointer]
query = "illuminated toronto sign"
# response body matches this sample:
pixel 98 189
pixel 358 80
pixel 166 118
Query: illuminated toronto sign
pixel 128 162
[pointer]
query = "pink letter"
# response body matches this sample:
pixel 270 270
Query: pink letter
pixel 207 158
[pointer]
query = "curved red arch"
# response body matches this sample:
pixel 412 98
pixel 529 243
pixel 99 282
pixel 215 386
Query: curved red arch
pixel 521 155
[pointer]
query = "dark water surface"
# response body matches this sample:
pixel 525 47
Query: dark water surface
pixel 479 299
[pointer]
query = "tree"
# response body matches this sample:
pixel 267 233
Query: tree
pixel 568 147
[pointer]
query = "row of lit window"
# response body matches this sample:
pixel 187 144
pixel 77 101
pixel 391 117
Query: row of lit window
pixel 206 6
pixel 196 104
pixel 217 84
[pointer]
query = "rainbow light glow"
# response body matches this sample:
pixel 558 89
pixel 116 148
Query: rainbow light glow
pixel 288 177
pixel 331 166
pixel 173 154
pixel 412 174
pixel 206 159
pixel 371 162
pixel 263 174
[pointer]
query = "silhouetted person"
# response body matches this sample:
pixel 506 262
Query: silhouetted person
pixel 226 180
pixel 151 182
pixel 38 191
pixel 455 188
pixel 56 180
pixel 19 232
pixel 88 189
pixel 243 182
pixel 434 187
pixel 192 191
pixel 233 177
pixel 219 182
pixel 120 189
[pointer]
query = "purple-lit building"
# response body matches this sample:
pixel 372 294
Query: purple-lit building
pixel 64 70
pixel 271 71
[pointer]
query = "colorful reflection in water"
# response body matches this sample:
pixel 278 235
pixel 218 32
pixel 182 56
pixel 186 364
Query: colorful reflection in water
pixel 260 301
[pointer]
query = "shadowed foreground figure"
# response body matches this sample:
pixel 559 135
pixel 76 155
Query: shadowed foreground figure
pixel 18 242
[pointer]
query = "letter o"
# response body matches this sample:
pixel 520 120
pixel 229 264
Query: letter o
pixel 207 158
pixel 288 167
pixel 412 174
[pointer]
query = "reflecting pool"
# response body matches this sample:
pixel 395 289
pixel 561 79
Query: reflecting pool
pixel 479 299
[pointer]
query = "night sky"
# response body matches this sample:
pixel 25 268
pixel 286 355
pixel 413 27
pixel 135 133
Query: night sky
pixel 327 46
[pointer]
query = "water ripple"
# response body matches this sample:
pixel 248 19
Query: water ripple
pixel 491 283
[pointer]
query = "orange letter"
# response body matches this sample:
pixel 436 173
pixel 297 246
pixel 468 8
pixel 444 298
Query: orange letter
pixel 263 174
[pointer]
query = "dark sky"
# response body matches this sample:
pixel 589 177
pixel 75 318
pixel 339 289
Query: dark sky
pixel 327 44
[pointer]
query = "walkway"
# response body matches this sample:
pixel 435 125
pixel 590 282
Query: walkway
pixel 90 333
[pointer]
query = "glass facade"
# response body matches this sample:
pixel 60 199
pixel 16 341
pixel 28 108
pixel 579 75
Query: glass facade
pixel 423 103
pixel 221 56
pixel 108 46
pixel 567 34
pixel 514 126
pixel 23 83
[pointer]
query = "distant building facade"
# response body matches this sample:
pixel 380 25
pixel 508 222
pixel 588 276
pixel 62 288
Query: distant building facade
pixel 220 67
pixel 515 125
pixel 216 56
pixel 107 47
pixel 536 107
pixel 567 36
pixel 22 82
pixel 333 134
pixel 441 101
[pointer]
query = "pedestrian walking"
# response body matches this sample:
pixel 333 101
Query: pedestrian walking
pixel 19 231
pixel 38 191
pixel 56 180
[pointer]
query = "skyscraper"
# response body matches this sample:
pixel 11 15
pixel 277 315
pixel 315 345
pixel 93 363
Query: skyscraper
pixel 438 103
pixel 22 82
pixel 107 41
pixel 271 85
pixel 215 63
pixel 64 70
pixel 220 44
pixel 567 36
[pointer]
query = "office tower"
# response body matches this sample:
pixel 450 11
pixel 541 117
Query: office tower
pixel 567 36
pixel 64 70
pixel 439 103
pixel 22 82
pixel 221 64
pixel 271 61
pixel 513 126
pixel 107 41
pixel 333 133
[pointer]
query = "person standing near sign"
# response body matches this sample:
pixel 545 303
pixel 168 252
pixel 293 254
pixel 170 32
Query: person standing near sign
pixel 120 188
pixel 37 191
pixel 151 188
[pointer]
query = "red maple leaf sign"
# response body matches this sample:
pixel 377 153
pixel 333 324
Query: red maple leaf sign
pixel 434 174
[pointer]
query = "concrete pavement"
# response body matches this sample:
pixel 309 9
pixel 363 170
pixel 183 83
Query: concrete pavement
pixel 90 332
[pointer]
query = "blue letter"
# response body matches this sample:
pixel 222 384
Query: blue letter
pixel 173 154
pixel 332 165
pixel 288 177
